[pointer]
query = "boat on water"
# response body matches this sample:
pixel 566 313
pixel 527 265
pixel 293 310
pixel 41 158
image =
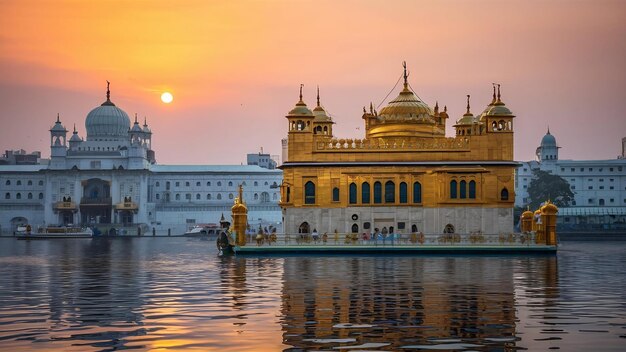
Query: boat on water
pixel 211 230
pixel 52 232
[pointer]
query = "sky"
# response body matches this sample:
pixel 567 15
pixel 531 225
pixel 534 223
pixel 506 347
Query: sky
pixel 235 68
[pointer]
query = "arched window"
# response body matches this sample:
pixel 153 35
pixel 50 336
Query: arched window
pixel 390 192
pixel 413 228
pixel 378 192
pixel 256 196
pixel 219 196
pixel 365 193
pixel 30 196
pixel 448 229
pixel 355 228
pixel 453 189
pixel 40 195
pixel 266 183
pixel 601 201
pixel 504 194
pixel 19 182
pixel 219 183
pixel 335 194
pixel 198 196
pixel 198 184
pixel 288 194
pixel 18 196
pixel 256 183
pixel 417 192
pixel 352 196
pixel 265 197
pixel 158 196
pixel 208 196
pixel 403 193
pixel 472 189
pixel 230 184
pixel 309 193
pixel 463 189
pixel 8 183
pixel 158 184
pixel 208 184
pixel 230 196
pixel 304 228
pixel 7 195
pixel 41 183
pixel 177 196
pixel 30 183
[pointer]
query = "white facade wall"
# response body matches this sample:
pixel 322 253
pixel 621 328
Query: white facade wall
pixel 427 220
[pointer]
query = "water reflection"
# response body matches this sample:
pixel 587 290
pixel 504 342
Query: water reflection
pixel 402 302
pixel 174 294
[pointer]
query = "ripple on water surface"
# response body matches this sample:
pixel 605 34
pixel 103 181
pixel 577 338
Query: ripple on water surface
pixel 177 293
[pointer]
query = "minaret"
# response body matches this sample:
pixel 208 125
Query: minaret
pixel 58 145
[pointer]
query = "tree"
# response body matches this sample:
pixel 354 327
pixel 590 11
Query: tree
pixel 546 186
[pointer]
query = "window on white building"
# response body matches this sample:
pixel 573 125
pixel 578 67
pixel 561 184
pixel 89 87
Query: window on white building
pixel 41 183
pixel 40 195
pixel 197 184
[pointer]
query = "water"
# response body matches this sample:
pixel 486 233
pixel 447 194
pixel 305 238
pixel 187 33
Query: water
pixel 177 294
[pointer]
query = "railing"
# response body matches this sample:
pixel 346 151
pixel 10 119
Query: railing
pixel 414 239
pixel 100 200
pixel 402 144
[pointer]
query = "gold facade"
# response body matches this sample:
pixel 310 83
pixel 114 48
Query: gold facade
pixel 404 159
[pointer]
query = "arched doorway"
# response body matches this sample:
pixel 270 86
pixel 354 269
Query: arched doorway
pixel 96 203
pixel 355 228
pixel 448 229
pixel 304 228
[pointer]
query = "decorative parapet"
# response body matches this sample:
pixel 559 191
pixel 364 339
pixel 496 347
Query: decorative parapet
pixel 400 144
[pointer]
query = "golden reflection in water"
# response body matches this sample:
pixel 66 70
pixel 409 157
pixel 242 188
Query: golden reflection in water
pixel 406 301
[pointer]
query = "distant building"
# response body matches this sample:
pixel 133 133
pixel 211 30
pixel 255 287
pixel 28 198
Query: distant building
pixel 265 161
pixel 20 157
pixel 404 173
pixel 111 179
pixel 599 186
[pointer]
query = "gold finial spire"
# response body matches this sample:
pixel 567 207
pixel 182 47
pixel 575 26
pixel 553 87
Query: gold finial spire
pixel 493 101
pixel 445 108
pixel 75 128
pixel 136 123
pixel 108 91
pixel 499 100
pixel 301 85
pixel 58 121
pixel 371 108
pixel 318 96
pixel 468 105
pixel 406 75
pixel 241 193
pixel 145 121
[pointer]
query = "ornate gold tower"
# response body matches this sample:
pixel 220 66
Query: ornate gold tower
pixel 240 218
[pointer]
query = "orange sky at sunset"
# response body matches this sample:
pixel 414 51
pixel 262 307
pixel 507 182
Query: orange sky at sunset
pixel 234 68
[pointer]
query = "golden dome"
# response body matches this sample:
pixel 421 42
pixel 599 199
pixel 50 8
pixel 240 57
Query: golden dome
pixel 319 112
pixel 240 206
pixel 527 214
pixel 300 109
pixel 549 209
pixel 497 107
pixel 405 116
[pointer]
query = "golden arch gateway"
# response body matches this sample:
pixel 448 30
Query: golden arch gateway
pixel 404 172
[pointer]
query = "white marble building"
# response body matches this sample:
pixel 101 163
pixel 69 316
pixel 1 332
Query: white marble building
pixel 111 179
pixel 599 186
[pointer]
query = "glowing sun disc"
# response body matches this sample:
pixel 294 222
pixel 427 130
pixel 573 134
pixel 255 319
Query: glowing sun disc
pixel 167 97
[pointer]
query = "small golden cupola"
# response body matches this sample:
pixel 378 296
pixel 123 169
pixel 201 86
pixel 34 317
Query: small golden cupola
pixel 322 122
pixel 497 117
pixel 300 117
pixel 405 116
pixel 468 124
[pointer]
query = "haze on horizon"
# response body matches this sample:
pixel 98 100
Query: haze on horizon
pixel 235 67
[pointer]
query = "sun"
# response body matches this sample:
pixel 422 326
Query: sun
pixel 167 97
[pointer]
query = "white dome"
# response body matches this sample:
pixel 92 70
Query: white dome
pixel 107 120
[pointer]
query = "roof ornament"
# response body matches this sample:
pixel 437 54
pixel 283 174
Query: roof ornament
pixel 493 101
pixel 548 129
pixel 145 122
pixel 468 105
pixel 405 75
pixel 108 91
pixel 371 108
pixel 436 107
pixel 318 96
pixel 136 123
pixel 445 108
pixel 301 85
pixel 58 121
pixel 75 129
pixel 499 100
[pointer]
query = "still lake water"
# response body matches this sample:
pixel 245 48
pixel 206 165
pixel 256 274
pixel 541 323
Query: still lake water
pixel 178 294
